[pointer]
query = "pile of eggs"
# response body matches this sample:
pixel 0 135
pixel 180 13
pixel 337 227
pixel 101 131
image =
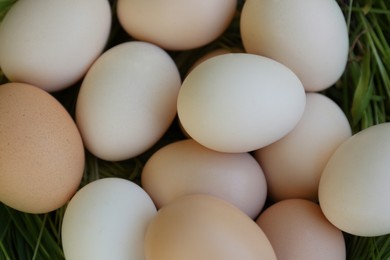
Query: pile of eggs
pixel 259 130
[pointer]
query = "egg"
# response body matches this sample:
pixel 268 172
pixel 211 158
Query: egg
pixel 41 154
pixel 197 227
pixel 186 167
pixel 209 55
pixel 297 229
pixel 51 44
pixel 353 189
pixel 293 165
pixel 308 36
pixel 127 100
pixel 107 219
pixel 240 102
pixel 176 24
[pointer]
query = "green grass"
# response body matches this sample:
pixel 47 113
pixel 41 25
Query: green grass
pixel 362 92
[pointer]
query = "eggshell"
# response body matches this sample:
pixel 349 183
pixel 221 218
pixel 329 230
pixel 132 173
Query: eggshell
pixel 186 167
pixel 240 102
pixel 176 24
pixel 293 165
pixel 354 186
pixel 51 44
pixel 197 227
pixel 308 36
pixel 107 219
pixel 127 100
pixel 41 155
pixel 297 229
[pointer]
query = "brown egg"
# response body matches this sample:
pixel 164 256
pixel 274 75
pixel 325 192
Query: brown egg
pixel 176 24
pixel 297 229
pixel 198 227
pixel 293 165
pixel 41 151
pixel 186 167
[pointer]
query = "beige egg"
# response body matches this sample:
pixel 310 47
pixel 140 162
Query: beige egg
pixel 293 165
pixel 185 167
pixel 354 186
pixel 127 100
pixel 41 151
pixel 203 58
pixel 240 102
pixel 107 219
pixel 297 229
pixel 176 24
pixel 51 44
pixel 308 36
pixel 204 227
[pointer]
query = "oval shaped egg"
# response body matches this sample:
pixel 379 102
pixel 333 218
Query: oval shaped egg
pixel 51 44
pixel 240 102
pixel 297 229
pixel 127 100
pixel 41 155
pixel 107 219
pixel 310 37
pixel 354 190
pixel 185 167
pixel 293 165
pixel 197 227
pixel 176 24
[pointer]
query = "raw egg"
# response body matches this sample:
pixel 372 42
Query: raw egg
pixel 176 24
pixel 297 229
pixel 51 44
pixel 197 227
pixel 186 167
pixel 293 165
pixel 127 100
pixel 240 102
pixel 354 186
pixel 308 36
pixel 41 155
pixel 107 219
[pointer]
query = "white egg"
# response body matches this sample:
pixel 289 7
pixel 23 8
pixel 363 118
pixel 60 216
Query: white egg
pixel 51 44
pixel 308 36
pixel 127 100
pixel 354 187
pixel 107 219
pixel 240 102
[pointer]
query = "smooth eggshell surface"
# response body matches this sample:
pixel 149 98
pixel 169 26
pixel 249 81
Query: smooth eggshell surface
pixel 240 102
pixel 354 186
pixel 107 219
pixel 293 165
pixel 308 36
pixel 297 229
pixel 176 24
pixel 186 167
pixel 41 155
pixel 51 44
pixel 127 100
pixel 197 227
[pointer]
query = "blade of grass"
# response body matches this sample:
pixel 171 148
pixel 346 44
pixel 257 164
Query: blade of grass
pixel 4 252
pixel 363 91
pixel 5 5
pixel 38 243
pixel 383 73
